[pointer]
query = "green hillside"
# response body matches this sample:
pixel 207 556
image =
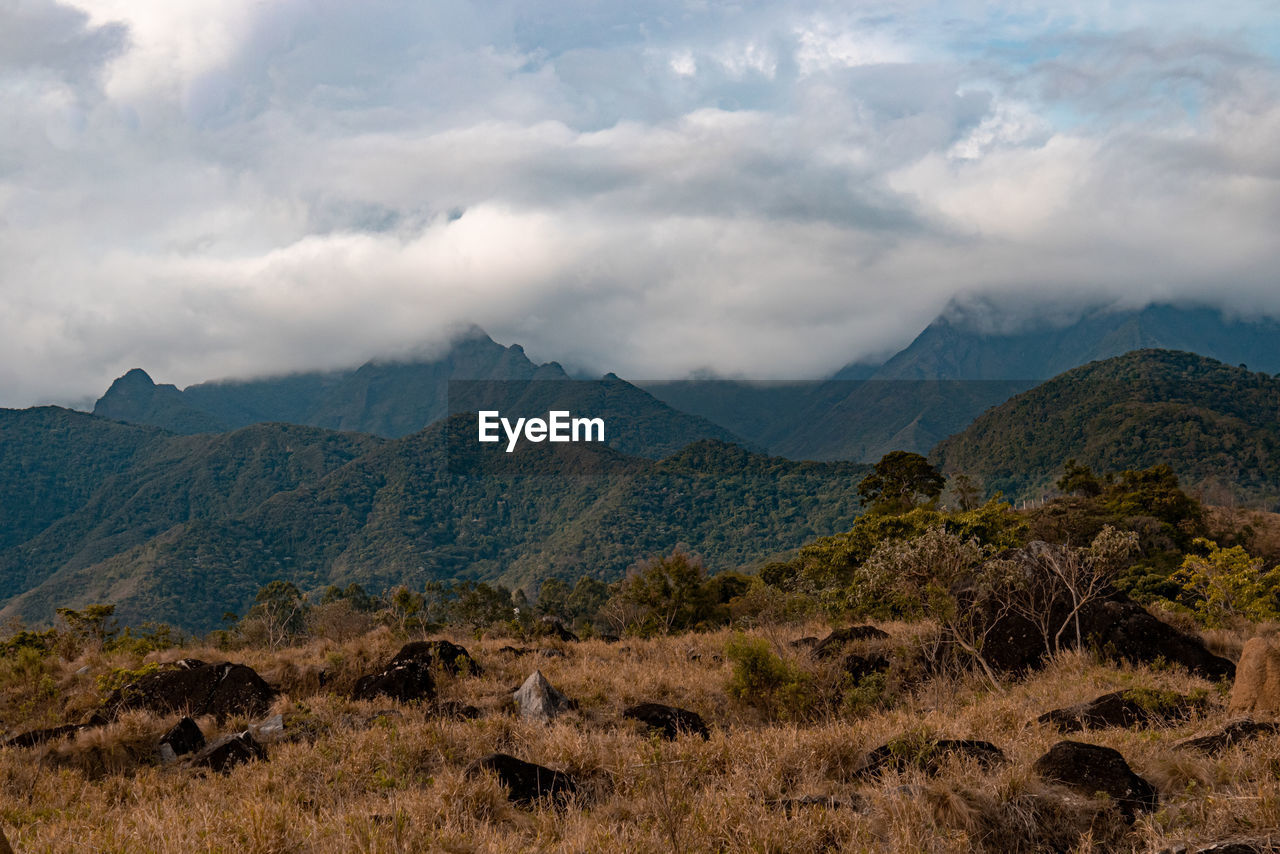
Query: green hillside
pixel 1210 422
pixel 186 528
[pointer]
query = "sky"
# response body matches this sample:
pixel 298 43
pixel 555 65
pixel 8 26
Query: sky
pixel 232 188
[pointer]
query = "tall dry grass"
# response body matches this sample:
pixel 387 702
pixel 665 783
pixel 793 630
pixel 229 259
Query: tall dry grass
pixel 378 777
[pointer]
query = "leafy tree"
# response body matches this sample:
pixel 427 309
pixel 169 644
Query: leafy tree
pixel 663 596
pixel 553 599
pixel 588 597
pixel 968 495
pixel 93 626
pixel 900 482
pixel 1226 585
pixel 1079 480
pixel 481 605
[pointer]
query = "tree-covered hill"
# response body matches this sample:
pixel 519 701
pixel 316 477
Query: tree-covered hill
pixel 184 528
pixel 1210 422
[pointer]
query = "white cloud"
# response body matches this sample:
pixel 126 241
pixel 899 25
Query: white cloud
pixel 208 189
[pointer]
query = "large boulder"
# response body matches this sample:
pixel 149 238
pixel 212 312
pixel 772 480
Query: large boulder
pixel 1257 687
pixel 35 737
pixel 442 654
pixel 551 627
pixel 406 682
pixel 668 720
pixel 526 782
pixel 538 700
pixel 1116 626
pixel 1135 707
pixel 195 688
pixel 1091 769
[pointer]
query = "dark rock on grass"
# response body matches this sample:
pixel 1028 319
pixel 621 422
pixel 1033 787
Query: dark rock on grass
pixel 835 642
pixel 861 666
pixel 927 755
pixel 183 738
pixel 443 654
pixel 1116 626
pixel 40 736
pixel 516 651
pixel 228 752
pixel 831 802
pixel 550 627
pixel 409 682
pixel 1131 708
pixel 668 720
pixel 457 711
pixel 1231 846
pixel 606 637
pixel 1091 769
pixel 538 700
pixel 804 643
pixel 526 782
pixel 195 688
pixel 1235 732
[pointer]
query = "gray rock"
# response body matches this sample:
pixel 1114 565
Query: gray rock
pixel 537 700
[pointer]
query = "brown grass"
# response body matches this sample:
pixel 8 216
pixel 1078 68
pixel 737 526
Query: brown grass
pixel 354 780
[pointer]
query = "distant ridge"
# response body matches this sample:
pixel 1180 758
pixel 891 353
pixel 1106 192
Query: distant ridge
pixel 1213 424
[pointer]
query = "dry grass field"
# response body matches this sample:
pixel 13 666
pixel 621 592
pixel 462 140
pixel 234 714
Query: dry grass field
pixel 383 777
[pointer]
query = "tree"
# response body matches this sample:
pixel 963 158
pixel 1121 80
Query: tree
pixel 1227 585
pixel 900 482
pixel 1079 480
pixel 968 494
pixel 663 596
pixel 280 610
pixel 93 626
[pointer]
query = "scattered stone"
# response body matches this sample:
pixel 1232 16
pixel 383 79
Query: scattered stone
pixel 669 720
pixel 408 681
pixel 1257 687
pixel 1233 733
pixel 457 711
pixel 607 638
pixel 228 752
pixel 516 651
pixel 183 738
pixel 5 848
pixel 835 642
pixel 271 729
pixel 927 755
pixel 1134 707
pixel 1090 769
pixel 1232 846
pixel 525 781
pixel 195 688
pixel 83 671
pixel 40 736
pixel 861 666
pixel 438 653
pixel 537 700
pixel 552 653
pixel 551 627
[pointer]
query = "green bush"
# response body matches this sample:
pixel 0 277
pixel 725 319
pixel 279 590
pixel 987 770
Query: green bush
pixel 763 681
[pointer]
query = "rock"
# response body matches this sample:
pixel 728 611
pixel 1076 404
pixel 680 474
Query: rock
pixel 195 688
pixel 804 643
pixel 438 653
pixel 183 738
pixel 927 755
pixel 668 720
pixel 1117 626
pixel 861 666
pixel 516 651
pixel 5 848
pixel 1231 846
pixel 407 682
pixel 550 627
pixel 40 736
pixel 607 638
pixel 552 653
pixel 228 752
pixel 1091 769
pixel 1257 687
pixel 1233 733
pixel 537 700
pixel 266 731
pixel 1135 707
pixel 525 781
pixel 833 643
pixel 457 711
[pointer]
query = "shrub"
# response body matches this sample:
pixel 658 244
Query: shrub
pixel 763 681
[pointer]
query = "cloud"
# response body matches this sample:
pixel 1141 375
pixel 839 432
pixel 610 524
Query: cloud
pixel 213 189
